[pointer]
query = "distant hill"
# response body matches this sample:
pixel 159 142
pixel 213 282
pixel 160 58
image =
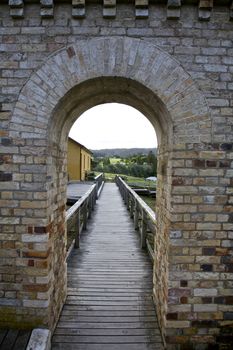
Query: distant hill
pixel 122 152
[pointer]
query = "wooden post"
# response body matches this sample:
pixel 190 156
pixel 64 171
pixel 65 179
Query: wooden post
pixel 131 206
pixel 96 192
pixel 89 206
pixel 77 230
pixel 143 229
pixel 136 216
pixel 85 209
pixel 127 200
pixel 94 195
pixel 122 191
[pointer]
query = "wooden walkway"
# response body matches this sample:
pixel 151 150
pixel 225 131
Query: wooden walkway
pixel 77 189
pixel 13 339
pixel 109 304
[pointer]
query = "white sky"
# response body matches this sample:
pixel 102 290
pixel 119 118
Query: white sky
pixel 113 125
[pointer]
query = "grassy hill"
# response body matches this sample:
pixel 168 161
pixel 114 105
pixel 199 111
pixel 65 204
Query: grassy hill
pixel 122 152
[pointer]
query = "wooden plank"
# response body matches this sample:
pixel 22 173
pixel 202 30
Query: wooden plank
pixel 104 325
pixel 109 303
pixel 106 271
pixel 109 319
pixel 116 273
pixel 108 307
pixel 113 300
pixel 111 292
pixel 141 278
pixel 9 339
pixel 108 332
pixel 106 339
pixel 113 288
pixel 14 339
pixel 22 340
pixel 109 313
pixel 70 346
pixel 125 285
pixel 109 289
pixel 3 333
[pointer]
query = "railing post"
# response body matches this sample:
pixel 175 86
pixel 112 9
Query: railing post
pixel 85 209
pixel 94 198
pixel 127 200
pixel 125 196
pixel 131 206
pixel 89 206
pixel 77 230
pixel 136 215
pixel 143 229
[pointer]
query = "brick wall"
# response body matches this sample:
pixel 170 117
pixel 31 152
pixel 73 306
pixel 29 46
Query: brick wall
pixel 179 73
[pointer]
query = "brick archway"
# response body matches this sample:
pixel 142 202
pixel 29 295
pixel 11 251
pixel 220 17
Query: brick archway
pixel 72 80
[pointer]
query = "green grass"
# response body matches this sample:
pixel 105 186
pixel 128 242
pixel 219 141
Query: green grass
pixel 149 201
pixel 131 180
pixel 115 160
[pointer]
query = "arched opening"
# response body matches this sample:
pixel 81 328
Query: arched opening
pixel 112 271
pixel 74 103
pixel 76 78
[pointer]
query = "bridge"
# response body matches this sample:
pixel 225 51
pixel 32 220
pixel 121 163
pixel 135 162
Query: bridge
pixel 109 303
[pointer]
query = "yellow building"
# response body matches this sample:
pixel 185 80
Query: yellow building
pixel 78 160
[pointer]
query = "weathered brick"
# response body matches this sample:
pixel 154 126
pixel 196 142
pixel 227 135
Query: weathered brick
pixel 205 292
pixel 35 238
pixel 226 146
pixel 193 208
pixel 5 176
pixel 199 163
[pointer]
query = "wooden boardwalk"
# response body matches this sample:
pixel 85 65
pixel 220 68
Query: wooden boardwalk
pixel 77 189
pixel 13 339
pixel 109 304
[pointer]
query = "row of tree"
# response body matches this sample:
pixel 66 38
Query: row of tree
pixel 138 165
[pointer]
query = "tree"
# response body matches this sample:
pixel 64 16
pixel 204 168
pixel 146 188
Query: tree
pixel 106 161
pixel 152 160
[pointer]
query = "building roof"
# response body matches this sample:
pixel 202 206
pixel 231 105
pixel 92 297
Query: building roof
pixel 80 145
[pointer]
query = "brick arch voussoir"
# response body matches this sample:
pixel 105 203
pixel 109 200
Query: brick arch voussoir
pixel 131 58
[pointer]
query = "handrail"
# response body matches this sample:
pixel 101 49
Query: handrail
pixel 144 217
pixel 99 180
pixel 79 213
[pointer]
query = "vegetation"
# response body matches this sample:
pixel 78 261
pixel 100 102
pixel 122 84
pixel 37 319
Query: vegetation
pixel 121 152
pixel 132 181
pixel 137 165
pixel 149 201
pixel 133 165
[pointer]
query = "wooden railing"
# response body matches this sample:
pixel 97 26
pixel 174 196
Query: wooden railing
pixel 99 180
pixel 144 217
pixel 79 213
